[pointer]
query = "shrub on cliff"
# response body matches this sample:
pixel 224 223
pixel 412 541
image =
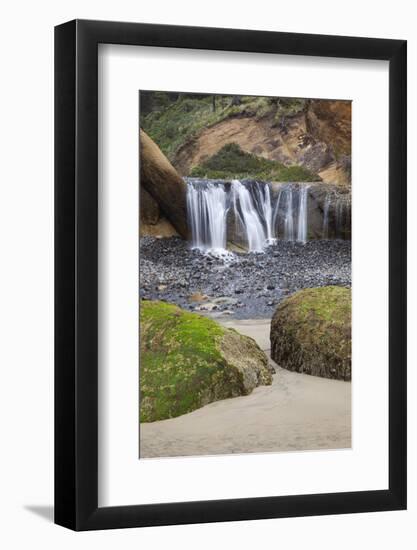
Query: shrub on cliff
pixel 311 332
pixel 171 119
pixel 231 162
pixel 187 361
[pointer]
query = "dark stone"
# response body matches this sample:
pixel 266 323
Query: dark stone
pixel 292 265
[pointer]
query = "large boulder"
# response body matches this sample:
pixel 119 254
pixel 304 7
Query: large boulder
pixel 160 179
pixel 187 361
pixel 149 209
pixel 311 332
pixel 152 223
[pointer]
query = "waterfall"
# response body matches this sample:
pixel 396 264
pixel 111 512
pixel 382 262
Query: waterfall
pixel 207 209
pixel 249 214
pixel 290 215
pixel 246 214
pixel 276 217
pixel 325 231
pixel 268 215
pixel 302 214
pixel 289 234
pixel 262 198
pixel 339 218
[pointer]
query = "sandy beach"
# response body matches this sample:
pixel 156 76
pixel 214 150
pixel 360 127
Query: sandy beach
pixel 297 412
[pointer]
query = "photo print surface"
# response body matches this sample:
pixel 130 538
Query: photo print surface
pixel 244 274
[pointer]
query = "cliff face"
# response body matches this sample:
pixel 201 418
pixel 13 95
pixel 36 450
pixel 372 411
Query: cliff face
pixel 317 137
pixel 330 122
pixel 263 139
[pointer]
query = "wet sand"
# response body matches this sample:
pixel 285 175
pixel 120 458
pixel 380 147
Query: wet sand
pixel 297 412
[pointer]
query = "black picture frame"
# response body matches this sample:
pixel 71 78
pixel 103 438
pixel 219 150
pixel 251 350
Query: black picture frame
pixel 76 272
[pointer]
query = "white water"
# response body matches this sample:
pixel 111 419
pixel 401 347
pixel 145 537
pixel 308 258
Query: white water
pixel 259 221
pixel 275 215
pixel 302 214
pixel 325 231
pixel 207 209
pixel 289 234
pixel 268 215
pixel 264 206
pixel 248 217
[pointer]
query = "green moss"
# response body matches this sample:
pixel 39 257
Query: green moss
pixel 182 362
pixel 230 162
pixel 331 304
pixel 311 332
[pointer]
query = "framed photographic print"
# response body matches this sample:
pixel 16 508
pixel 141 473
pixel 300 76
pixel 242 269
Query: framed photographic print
pixel 230 275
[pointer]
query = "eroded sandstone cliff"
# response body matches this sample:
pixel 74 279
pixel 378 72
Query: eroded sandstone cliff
pixel 165 189
pixel 317 137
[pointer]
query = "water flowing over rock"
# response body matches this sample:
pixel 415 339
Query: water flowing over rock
pixel 290 215
pixel 207 209
pixel 336 213
pixel 252 214
pixel 302 215
pixel 326 216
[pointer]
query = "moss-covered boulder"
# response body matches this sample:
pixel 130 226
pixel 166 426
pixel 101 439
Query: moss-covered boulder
pixel 187 361
pixel 311 332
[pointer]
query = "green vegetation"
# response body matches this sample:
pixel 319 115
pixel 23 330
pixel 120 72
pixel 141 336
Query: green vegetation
pixel 170 119
pixel 330 304
pixel 187 361
pixel 311 332
pixel 233 163
pixel 287 107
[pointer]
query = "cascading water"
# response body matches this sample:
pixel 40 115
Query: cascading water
pixel 302 215
pixel 276 216
pixel 290 215
pixel 207 210
pixel 262 198
pixel 248 217
pixel 289 234
pixel 257 213
pixel 325 230
pixel 339 218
